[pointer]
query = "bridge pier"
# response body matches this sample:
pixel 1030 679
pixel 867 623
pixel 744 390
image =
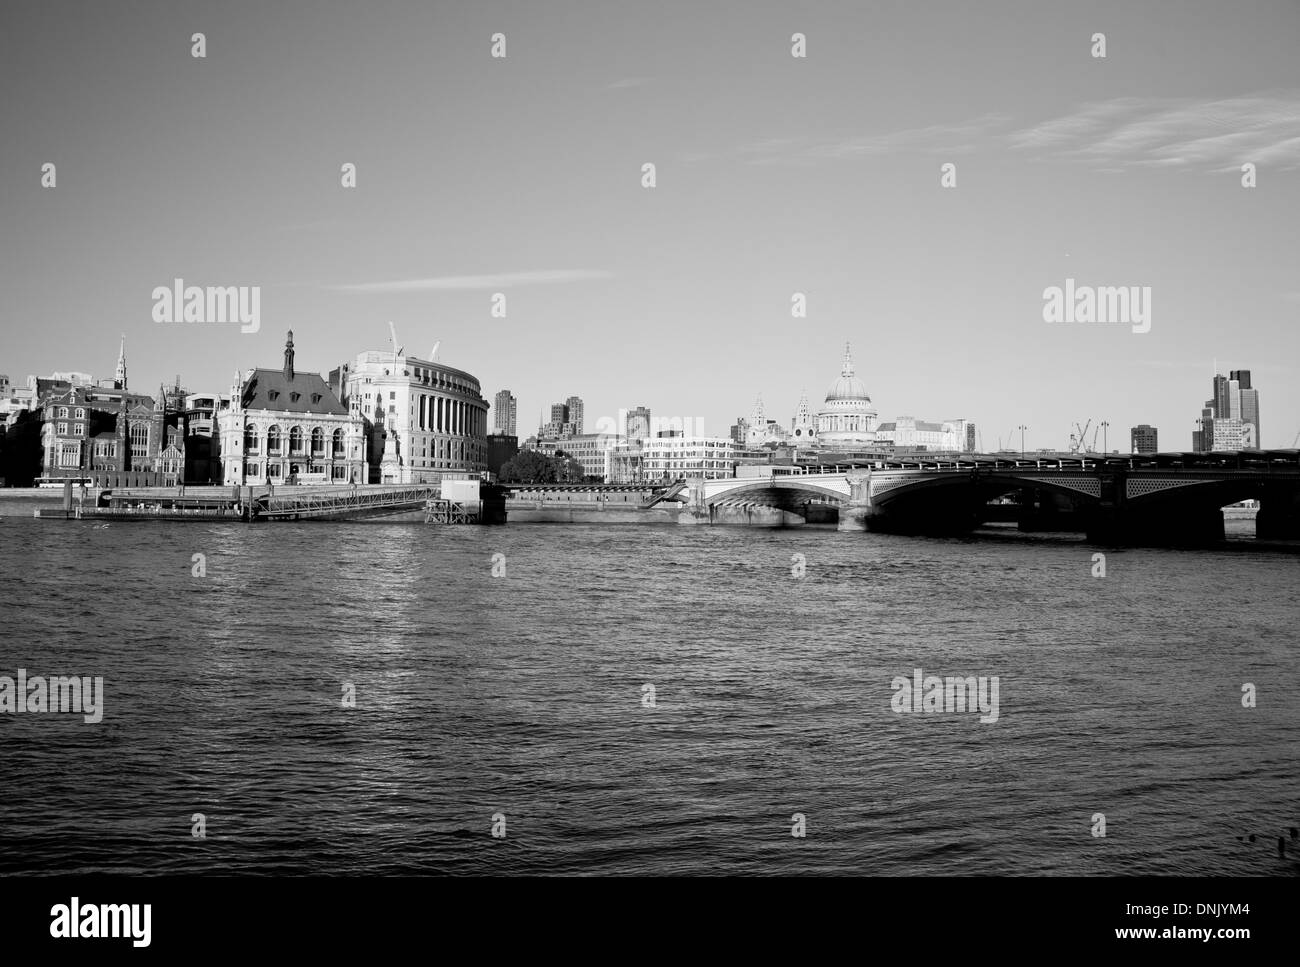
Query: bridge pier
pixel 855 511
pixel 1278 518
pixel 697 509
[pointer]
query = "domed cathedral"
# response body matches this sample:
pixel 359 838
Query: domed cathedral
pixel 847 420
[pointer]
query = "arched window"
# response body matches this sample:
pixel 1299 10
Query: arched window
pixel 317 440
pixel 295 440
pixel 338 442
pixel 63 412
pixel 273 441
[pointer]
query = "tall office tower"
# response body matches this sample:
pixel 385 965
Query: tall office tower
pixel 559 413
pixel 504 419
pixel 637 425
pixel 1222 402
pixel 1144 437
pixel 573 407
pixel 1247 398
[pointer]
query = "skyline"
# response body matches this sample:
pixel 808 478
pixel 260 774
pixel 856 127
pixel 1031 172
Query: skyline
pixel 618 419
pixel 775 176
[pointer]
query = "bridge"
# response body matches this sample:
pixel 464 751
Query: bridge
pixel 1168 498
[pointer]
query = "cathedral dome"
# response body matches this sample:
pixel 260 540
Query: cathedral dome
pixel 847 419
pixel 848 387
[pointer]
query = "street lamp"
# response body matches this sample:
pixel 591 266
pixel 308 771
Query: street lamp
pixel 1023 428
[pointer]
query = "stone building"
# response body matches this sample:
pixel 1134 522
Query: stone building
pixel 283 426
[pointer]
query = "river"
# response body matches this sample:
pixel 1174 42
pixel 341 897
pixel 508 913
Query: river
pixel 521 696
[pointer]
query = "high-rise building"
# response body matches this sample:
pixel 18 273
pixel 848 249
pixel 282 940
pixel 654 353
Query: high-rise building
pixel 1229 435
pixel 637 425
pixel 559 413
pixel 501 448
pixel 505 417
pixel 1143 439
pixel 573 413
pixel 1222 401
pixel 1203 435
pixel 1247 400
pixel 1230 418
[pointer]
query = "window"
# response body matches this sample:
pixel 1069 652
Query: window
pixel 315 398
pixel 338 442
pixel 294 397
pixel 81 413
pixel 317 440
pixel 295 440
pixel 252 470
pixel 63 429
pixel 63 412
pixel 273 395
pixel 273 470
pixel 391 395
pixel 139 437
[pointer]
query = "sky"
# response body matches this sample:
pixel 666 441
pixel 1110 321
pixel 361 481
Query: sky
pixel 773 175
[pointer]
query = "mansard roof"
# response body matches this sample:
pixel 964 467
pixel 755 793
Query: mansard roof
pixel 270 389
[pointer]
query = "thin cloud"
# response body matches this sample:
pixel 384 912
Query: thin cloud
pixel 955 138
pixel 1114 136
pixel 627 82
pixel 1204 135
pixel 461 282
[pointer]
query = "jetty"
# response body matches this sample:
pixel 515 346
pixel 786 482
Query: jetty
pixel 457 502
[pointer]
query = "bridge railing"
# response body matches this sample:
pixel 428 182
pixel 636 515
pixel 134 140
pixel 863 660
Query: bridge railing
pixel 341 501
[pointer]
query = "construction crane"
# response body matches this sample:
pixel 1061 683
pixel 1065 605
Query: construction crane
pixel 434 351
pixel 392 335
pixel 1079 440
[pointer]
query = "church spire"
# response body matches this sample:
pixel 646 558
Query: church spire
pixel 847 369
pixel 119 376
pixel 288 357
